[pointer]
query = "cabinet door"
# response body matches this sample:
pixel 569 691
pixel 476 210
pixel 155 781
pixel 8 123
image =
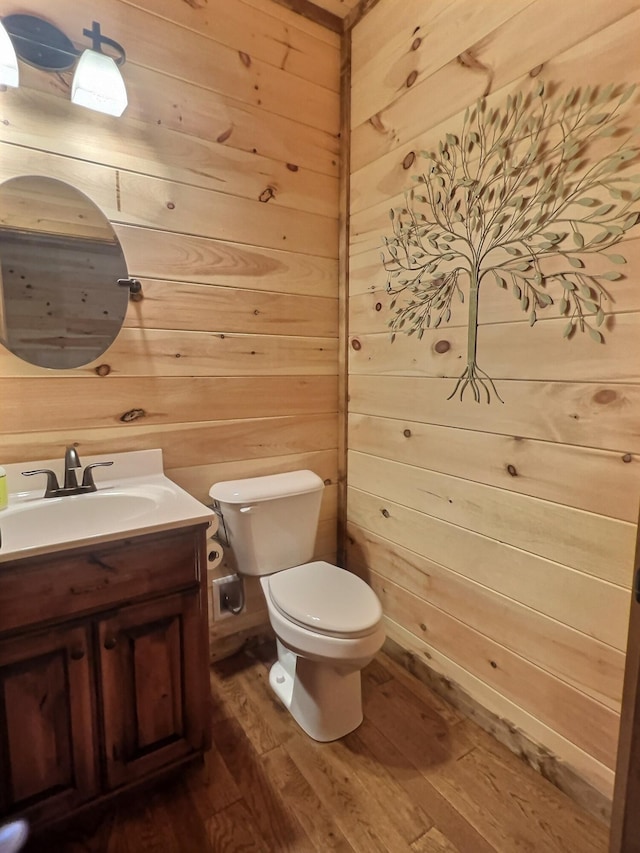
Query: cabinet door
pixel 153 685
pixel 47 746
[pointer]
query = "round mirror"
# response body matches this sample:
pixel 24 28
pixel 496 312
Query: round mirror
pixel 60 261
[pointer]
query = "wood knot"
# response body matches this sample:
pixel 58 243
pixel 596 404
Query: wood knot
pixel 607 395
pixel 103 370
pixel 292 167
pixel 327 482
pixel 355 343
pixel 423 627
pixel 442 347
pixel 267 194
pixel 378 306
pixel 512 470
pixel 225 135
pixel 377 123
pixel 132 415
pixel 245 59
pixel 406 433
pixel 627 457
pixel 416 43
pixel 411 79
pixel 171 205
pixel 385 513
pixel 493 664
pixel 409 160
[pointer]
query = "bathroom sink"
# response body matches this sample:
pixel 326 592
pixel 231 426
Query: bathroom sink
pixel 136 498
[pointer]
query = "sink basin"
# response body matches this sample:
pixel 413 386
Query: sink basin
pixel 123 505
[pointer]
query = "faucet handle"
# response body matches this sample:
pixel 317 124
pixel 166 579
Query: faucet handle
pixel 52 481
pixel 87 477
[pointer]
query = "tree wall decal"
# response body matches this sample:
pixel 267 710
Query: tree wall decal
pixel 525 196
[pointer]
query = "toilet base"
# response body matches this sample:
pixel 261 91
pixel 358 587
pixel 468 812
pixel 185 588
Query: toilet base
pixel 324 699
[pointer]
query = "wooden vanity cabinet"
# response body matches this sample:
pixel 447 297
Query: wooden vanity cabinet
pixel 48 762
pixel 149 658
pixel 112 686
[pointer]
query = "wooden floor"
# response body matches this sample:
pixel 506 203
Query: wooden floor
pixel 415 777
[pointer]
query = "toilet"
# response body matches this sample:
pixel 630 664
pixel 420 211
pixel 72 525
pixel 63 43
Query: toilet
pixel 327 621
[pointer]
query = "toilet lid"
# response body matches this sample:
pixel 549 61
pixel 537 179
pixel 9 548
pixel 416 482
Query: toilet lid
pixel 325 599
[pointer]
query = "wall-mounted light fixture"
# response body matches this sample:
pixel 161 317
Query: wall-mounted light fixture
pixel 97 82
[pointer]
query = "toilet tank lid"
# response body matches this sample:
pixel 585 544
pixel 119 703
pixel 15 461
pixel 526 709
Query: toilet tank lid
pixel 266 488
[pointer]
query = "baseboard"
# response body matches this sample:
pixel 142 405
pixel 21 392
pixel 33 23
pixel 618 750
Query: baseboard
pixel 224 647
pixel 534 754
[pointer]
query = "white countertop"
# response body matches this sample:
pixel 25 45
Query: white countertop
pixel 133 497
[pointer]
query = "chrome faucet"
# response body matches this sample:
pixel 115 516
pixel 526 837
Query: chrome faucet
pixel 71 462
pixel 70 487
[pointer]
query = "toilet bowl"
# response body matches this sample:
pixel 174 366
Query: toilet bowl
pixel 327 621
pixel 328 625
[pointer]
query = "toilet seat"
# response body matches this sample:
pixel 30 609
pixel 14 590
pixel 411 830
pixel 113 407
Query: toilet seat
pixel 324 599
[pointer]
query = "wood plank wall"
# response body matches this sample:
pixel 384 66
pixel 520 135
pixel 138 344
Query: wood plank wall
pixel 221 180
pixel 499 537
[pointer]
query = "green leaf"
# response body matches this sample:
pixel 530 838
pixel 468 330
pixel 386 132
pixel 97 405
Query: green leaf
pixel 576 262
pixel 563 305
pixel 587 202
pixel 612 276
pixel 603 210
pixel 598 118
pixel 568 285
pixel 545 299
pixel 616 259
pixel 627 94
pixel 517 292
pixel 599 317
pixel 596 336
pixel 532 318
pixel 578 239
pixel 568 329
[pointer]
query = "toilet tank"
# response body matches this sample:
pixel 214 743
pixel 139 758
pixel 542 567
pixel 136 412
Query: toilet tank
pixel 270 522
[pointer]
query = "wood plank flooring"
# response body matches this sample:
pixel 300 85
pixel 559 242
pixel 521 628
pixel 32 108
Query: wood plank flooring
pixel 416 777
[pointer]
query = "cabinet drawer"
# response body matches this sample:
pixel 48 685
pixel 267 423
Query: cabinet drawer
pixel 73 582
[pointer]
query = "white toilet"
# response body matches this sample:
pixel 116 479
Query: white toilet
pixel 327 621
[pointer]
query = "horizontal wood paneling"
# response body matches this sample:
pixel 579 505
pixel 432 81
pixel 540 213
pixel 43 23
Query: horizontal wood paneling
pixel 220 68
pixel 505 353
pixel 587 664
pixel 221 181
pixel 541 469
pixel 502 59
pixel 599 415
pixel 245 441
pixel 256 33
pixel 570 597
pixel 29 406
pixel 590 543
pixel 196 114
pixel 182 257
pixel 200 307
pixel 504 528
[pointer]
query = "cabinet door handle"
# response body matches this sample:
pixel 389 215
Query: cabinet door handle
pixel 110 643
pixel 77 653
